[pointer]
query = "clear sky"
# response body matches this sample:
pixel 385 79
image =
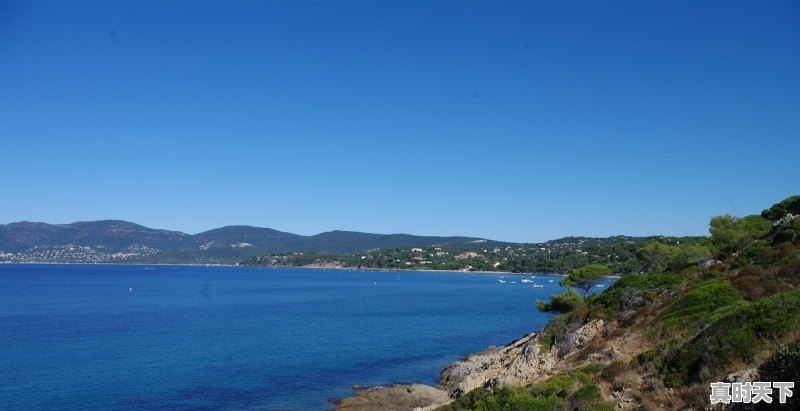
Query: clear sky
pixel 517 121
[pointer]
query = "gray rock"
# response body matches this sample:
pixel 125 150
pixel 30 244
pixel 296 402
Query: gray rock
pixel 711 263
pixel 518 363
pixel 748 374
pixel 608 355
pixel 399 397
pixel 515 364
pixel 578 335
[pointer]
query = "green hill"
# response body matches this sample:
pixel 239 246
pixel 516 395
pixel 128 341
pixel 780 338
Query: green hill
pixel 122 241
pixel 728 309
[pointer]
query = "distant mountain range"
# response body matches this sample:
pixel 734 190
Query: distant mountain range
pixel 122 241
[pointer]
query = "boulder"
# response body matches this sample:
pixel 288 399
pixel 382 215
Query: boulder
pixel 515 364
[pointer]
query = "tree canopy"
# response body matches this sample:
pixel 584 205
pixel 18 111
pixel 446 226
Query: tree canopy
pixel 731 233
pixel 586 277
pixel 778 210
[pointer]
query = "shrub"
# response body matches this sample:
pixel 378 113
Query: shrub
pixel 790 271
pixel 564 301
pixel 736 335
pixel 730 234
pixel 757 282
pixel 615 369
pixel 614 298
pixel 778 210
pixel 586 396
pixel 699 303
pixel 553 332
pixel 574 388
pixel 789 233
pixel 784 365
pixel 579 313
pixel 594 368
pixel 561 385
pixel 757 252
pixel 696 397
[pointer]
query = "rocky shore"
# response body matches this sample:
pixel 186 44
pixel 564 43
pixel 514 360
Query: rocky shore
pixel 522 362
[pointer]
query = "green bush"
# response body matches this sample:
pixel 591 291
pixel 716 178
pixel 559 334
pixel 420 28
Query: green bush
pixel 789 233
pixel 757 252
pixel 562 302
pixel 730 234
pixel 553 332
pixel 778 210
pixel 699 303
pixel 594 368
pixel 568 391
pixel 737 334
pixel 588 397
pixel 784 366
pixel 658 257
pixel 561 385
pixel 504 399
pixel 613 298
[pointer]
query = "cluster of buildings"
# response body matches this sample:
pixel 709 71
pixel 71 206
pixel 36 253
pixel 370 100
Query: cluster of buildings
pixel 72 253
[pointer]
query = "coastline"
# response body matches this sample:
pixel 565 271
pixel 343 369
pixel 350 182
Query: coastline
pixel 316 267
pixel 312 267
pixel 521 362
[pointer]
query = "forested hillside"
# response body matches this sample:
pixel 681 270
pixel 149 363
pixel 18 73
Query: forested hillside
pixel 622 254
pixel 725 310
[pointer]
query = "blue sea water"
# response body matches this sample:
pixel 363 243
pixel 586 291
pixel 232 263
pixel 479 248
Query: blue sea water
pixel 100 337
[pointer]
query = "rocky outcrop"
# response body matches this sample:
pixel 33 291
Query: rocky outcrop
pixel 579 336
pixel 399 397
pixel 607 355
pixel 747 374
pixel 788 218
pixel 515 364
pixel 520 363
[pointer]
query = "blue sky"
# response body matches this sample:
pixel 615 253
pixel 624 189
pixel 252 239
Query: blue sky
pixel 517 121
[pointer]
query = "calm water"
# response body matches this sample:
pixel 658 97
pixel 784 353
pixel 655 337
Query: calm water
pixel 78 337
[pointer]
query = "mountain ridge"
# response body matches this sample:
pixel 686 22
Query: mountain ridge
pixel 124 241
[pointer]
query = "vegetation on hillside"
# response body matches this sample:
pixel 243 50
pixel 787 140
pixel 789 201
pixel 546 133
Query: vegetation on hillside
pixel 572 390
pixel 701 311
pixel 619 254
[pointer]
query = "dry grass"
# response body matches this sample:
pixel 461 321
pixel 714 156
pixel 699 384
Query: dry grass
pixel 614 370
pixel 628 380
pixel 695 397
pixel 655 394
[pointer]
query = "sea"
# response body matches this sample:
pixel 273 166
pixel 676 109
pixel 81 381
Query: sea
pixel 135 337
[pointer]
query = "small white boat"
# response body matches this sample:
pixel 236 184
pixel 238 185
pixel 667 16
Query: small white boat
pixel 513 282
pixel 550 281
pixel 525 280
pixel 538 286
pixel 502 281
pixel 600 285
